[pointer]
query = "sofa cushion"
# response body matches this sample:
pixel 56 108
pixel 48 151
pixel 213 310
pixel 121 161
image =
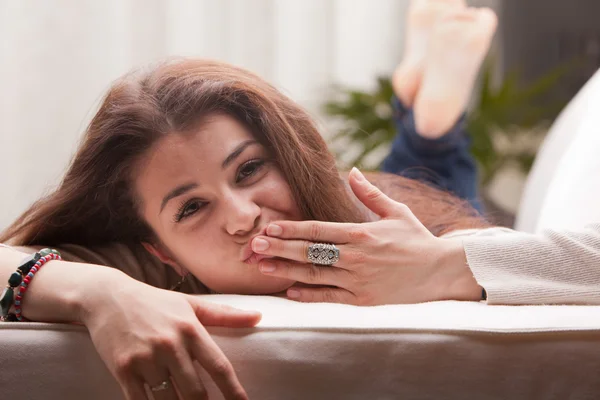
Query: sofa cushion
pixel 450 350
pixel 572 198
pixel 549 160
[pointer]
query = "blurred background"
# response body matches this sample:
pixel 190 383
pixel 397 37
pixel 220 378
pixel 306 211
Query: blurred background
pixel 334 57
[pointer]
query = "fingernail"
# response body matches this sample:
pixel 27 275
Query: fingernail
pixel 359 175
pixel 274 230
pixel 294 294
pixel 259 244
pixel 267 266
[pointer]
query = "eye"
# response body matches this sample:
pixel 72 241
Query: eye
pixel 188 208
pixel 248 169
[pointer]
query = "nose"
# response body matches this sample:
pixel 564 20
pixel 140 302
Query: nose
pixel 241 213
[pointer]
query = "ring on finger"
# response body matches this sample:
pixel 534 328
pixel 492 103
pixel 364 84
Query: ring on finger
pixel 164 385
pixel 323 254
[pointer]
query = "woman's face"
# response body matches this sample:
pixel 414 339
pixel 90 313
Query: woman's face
pixel 206 195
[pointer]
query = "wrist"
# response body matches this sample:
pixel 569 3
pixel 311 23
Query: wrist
pixel 456 280
pixel 65 291
pixel 93 295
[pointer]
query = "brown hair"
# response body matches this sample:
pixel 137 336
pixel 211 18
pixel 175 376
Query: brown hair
pixel 95 205
pixel 439 211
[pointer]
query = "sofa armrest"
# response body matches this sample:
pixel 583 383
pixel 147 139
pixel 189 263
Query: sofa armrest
pixel 450 350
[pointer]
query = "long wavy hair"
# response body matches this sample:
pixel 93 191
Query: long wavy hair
pixel 95 203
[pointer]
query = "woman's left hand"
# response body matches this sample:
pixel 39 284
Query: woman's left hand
pixel 391 261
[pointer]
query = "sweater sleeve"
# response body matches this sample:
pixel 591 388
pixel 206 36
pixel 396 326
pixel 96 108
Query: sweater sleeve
pixel 552 267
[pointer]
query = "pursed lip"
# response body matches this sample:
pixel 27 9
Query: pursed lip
pixel 248 256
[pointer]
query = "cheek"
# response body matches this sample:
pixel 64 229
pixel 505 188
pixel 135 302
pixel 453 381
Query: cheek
pixel 213 258
pixel 277 195
pixel 202 245
pixel 206 255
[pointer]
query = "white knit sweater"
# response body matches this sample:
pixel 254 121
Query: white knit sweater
pixel 553 267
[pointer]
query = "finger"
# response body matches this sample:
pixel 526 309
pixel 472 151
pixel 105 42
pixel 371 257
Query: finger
pixel 324 295
pixel 185 376
pixel 302 272
pixel 295 250
pixel 133 389
pixel 372 197
pixel 212 314
pixel 212 359
pixel 154 377
pixel 315 231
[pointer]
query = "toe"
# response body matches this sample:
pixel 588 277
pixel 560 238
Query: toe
pixel 488 16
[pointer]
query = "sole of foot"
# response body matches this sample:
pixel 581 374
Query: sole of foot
pixel 422 16
pixel 456 50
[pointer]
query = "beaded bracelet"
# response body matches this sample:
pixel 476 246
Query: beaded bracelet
pixel 21 279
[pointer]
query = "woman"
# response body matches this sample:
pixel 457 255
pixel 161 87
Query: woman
pixel 185 169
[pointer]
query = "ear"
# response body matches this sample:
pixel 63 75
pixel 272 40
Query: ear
pixel 160 253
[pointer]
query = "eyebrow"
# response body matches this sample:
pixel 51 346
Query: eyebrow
pixel 183 189
pixel 178 191
pixel 238 150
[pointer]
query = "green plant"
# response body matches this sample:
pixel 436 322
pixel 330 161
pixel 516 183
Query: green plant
pixel 366 118
pixel 509 113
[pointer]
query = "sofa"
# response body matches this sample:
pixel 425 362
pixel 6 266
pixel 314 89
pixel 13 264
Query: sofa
pixel 437 350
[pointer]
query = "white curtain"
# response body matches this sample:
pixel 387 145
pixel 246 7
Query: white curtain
pixel 57 58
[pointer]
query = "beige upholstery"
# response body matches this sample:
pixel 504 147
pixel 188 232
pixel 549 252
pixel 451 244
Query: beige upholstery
pixel 441 350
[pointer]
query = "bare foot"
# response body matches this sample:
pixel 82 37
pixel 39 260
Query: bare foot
pixel 456 50
pixel 422 16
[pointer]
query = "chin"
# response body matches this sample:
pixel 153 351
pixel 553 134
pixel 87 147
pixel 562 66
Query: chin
pixel 279 285
pixel 262 285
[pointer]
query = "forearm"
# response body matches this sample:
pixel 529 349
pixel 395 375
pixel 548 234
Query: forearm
pixel 60 289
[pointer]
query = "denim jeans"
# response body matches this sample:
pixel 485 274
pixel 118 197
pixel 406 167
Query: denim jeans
pixel 445 163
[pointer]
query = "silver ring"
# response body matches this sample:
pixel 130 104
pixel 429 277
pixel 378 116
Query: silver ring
pixel 164 385
pixel 323 254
